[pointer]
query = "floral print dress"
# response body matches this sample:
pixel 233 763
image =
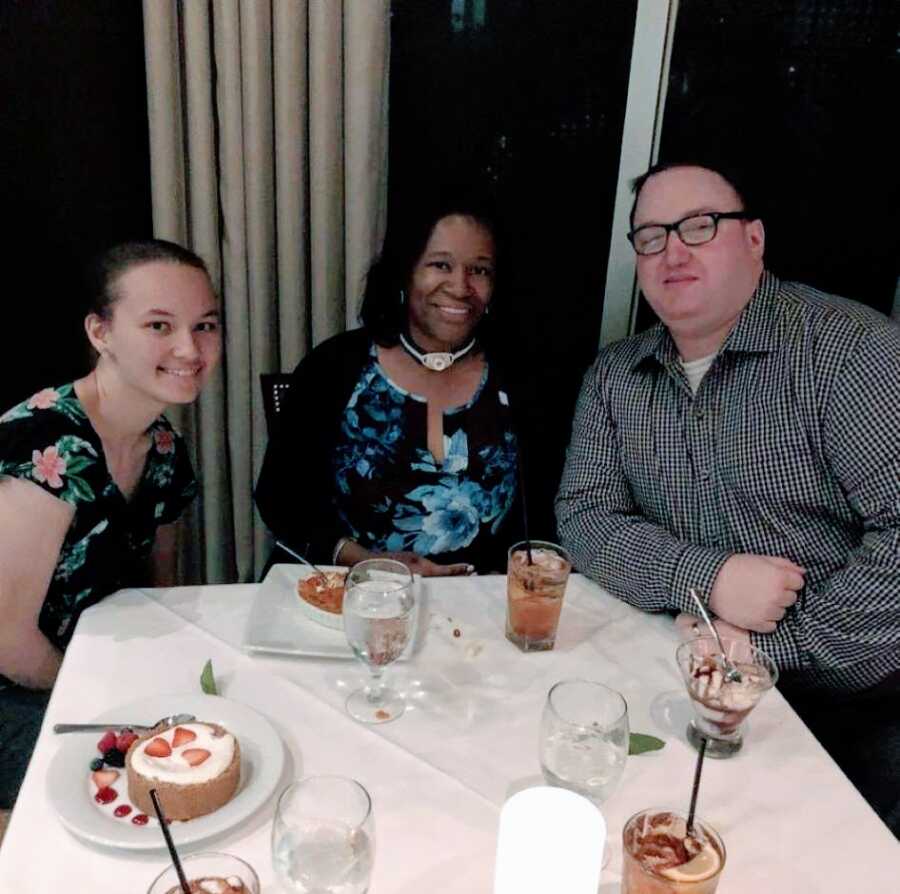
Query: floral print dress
pixel 49 441
pixel 393 495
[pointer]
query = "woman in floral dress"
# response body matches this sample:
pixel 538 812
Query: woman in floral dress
pixel 91 473
pixel 398 439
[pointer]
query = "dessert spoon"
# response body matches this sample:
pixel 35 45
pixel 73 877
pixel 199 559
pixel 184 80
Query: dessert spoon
pixel 300 558
pixel 732 674
pixel 173 720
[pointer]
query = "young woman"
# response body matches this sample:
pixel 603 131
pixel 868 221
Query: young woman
pixel 92 476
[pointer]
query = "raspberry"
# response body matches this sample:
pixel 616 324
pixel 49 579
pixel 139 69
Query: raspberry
pixel 108 741
pixel 123 742
pixel 106 795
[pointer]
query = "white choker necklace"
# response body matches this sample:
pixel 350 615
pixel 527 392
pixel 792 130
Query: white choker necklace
pixel 437 361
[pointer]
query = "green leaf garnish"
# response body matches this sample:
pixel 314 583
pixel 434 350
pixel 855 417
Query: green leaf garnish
pixel 207 680
pixel 640 742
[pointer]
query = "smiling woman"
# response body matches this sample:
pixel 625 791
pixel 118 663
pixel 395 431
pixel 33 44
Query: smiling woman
pixel 413 453
pixel 91 473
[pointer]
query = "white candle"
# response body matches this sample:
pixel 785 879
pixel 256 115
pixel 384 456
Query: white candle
pixel 550 839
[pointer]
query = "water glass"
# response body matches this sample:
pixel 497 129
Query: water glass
pixel 378 621
pixel 584 738
pixel 323 836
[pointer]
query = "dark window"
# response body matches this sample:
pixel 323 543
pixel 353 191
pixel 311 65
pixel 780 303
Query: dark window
pixel 74 171
pixel 802 94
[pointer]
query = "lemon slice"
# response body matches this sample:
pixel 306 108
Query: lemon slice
pixel 705 864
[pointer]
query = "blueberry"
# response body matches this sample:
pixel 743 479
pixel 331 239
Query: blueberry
pixel 114 757
pixel 97 763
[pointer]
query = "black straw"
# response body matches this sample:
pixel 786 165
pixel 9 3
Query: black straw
pixel 169 843
pixel 521 465
pixel 693 807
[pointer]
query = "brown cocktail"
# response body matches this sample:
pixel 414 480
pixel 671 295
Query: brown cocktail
pixel 660 857
pixel 535 593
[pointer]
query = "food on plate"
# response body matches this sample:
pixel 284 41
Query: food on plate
pixel 324 591
pixel 194 767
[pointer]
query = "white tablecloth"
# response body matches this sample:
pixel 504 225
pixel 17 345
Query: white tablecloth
pixel 790 820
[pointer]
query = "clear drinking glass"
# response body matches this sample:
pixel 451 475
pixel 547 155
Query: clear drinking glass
pixel 584 738
pixel 208 867
pixel 323 836
pixel 378 621
pixel 720 707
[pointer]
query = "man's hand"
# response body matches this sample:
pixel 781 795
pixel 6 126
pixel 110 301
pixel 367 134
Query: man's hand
pixel 690 626
pixel 753 592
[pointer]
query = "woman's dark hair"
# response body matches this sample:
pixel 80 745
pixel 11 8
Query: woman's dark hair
pixel 108 267
pixel 383 312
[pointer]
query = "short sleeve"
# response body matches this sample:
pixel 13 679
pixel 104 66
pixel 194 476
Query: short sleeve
pixel 47 440
pixel 172 473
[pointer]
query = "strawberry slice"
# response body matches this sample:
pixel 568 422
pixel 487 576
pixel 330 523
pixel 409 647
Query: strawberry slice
pixel 182 736
pixel 158 747
pixel 126 737
pixel 108 741
pixel 104 778
pixel 195 756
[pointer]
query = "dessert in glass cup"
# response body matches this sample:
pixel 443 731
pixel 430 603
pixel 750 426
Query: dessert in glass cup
pixel 720 706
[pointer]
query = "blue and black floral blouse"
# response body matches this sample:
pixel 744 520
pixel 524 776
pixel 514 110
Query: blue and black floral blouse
pixel 393 495
pixel 49 441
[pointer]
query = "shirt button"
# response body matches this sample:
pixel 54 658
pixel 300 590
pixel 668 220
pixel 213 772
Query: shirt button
pixel 698 413
pixel 704 475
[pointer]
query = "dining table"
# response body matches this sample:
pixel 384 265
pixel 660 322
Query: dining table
pixel 440 774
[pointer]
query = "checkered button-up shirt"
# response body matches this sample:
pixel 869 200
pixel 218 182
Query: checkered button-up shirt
pixel 790 447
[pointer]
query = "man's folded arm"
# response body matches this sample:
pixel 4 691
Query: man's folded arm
pixel 848 626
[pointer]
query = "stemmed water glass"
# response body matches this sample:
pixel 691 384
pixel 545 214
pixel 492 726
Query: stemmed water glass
pixel 323 836
pixel 378 621
pixel 584 738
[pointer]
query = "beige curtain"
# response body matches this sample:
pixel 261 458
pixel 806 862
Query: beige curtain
pixel 268 146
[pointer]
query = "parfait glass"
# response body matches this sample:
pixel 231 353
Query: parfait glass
pixel 720 706
pixel 323 836
pixel 378 621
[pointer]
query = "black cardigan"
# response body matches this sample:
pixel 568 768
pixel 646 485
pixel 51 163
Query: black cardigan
pixel 295 489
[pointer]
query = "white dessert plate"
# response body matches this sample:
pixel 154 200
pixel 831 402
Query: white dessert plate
pixel 281 623
pixel 71 791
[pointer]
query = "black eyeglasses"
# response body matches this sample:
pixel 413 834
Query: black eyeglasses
pixel 696 229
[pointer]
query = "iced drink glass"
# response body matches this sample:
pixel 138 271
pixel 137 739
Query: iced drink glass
pixel 659 857
pixel 720 707
pixel 534 594
pixel 236 876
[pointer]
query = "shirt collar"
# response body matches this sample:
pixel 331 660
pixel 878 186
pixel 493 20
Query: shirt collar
pixel 754 331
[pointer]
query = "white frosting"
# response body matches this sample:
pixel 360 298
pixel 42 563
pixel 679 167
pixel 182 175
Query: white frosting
pixel 175 768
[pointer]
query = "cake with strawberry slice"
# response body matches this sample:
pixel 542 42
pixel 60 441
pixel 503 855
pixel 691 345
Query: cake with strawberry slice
pixel 194 767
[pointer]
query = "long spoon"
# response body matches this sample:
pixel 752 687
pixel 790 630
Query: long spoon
pixel 297 556
pixel 732 674
pixel 174 720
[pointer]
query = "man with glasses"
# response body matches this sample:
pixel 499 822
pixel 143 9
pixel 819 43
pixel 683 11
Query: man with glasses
pixel 748 446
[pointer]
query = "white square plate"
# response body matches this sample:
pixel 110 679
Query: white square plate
pixel 278 624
